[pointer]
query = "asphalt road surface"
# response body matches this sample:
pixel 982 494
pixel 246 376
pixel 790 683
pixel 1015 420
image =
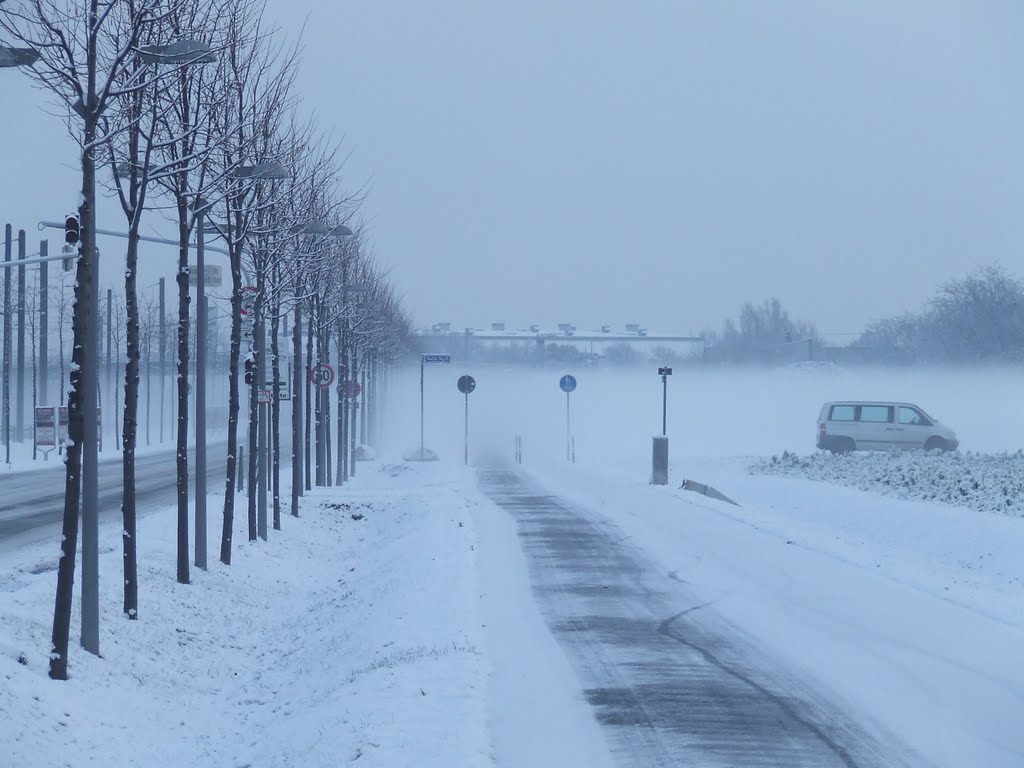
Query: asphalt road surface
pixel 669 682
pixel 32 503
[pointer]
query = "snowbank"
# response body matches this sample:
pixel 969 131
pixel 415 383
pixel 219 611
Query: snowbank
pixel 350 635
pixel 984 482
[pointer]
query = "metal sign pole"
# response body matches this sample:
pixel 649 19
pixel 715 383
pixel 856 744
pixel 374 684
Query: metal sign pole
pixel 664 372
pixel 568 430
pixel 200 404
pixel 664 404
pixel 466 384
pixel 422 366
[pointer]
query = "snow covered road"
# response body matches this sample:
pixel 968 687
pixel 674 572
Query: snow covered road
pixel 32 506
pixel 670 682
pixel 904 617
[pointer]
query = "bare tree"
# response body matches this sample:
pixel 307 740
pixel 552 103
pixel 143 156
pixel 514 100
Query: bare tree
pixel 184 140
pixel 84 51
pixel 261 76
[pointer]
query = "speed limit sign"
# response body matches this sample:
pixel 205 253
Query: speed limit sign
pixel 322 375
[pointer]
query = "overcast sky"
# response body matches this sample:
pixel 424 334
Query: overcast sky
pixel 641 161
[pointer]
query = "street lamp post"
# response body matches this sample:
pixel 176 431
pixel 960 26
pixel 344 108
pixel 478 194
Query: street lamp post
pixel 8 245
pixel 261 171
pixel 322 231
pixel 201 335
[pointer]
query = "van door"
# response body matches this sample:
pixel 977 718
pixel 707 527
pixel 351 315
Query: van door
pixel 915 427
pixel 876 426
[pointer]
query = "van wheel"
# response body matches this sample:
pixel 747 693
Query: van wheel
pixel 936 444
pixel 843 446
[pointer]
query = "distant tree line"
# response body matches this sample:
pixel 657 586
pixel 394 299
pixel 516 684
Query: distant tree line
pixel 764 333
pixel 976 318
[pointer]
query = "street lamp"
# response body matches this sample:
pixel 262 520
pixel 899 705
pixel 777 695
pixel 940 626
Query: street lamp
pixel 319 228
pixel 179 52
pixel 18 57
pixel 267 170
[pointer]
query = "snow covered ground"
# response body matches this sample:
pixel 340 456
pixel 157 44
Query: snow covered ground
pixel 908 612
pixel 984 482
pixel 411 636
pixel 344 638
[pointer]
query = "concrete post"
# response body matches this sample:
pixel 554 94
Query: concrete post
pixel 659 461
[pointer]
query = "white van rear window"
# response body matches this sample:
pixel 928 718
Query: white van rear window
pixel 842 413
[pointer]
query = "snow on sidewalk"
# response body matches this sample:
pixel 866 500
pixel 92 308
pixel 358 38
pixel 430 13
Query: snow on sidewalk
pixel 351 637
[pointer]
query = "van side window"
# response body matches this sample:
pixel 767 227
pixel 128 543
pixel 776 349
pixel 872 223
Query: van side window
pixel 842 413
pixel 876 414
pixel 913 417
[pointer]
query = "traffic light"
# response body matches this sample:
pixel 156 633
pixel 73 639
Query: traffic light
pixel 250 370
pixel 71 229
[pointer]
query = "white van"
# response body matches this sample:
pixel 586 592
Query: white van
pixel 872 426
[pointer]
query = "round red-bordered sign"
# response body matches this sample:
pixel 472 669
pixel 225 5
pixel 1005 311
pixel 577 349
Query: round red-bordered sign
pixel 322 375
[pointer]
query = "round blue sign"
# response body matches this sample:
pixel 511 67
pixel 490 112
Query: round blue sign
pixel 567 383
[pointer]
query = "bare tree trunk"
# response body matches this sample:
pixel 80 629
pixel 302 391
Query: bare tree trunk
pixel 297 461
pixel 182 446
pixel 227 530
pixel 339 337
pixel 327 406
pixel 85 289
pixel 254 413
pixel 129 437
pixel 309 397
pixel 343 368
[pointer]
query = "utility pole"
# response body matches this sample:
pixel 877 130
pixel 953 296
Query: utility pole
pixel 110 366
pixel 201 331
pixel 298 457
pixel 363 416
pixel 163 358
pixel 308 401
pixel 19 433
pixel 355 406
pixel 8 246
pixel 44 322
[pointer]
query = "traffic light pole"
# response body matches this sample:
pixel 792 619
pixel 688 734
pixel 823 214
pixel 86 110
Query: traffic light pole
pixel 8 245
pixel 201 331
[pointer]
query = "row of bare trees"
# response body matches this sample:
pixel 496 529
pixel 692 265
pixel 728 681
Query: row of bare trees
pixel 192 106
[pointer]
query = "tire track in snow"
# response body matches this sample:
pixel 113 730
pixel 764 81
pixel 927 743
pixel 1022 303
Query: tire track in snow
pixel 686 690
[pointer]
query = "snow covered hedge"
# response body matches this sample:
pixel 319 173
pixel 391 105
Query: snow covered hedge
pixel 985 482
